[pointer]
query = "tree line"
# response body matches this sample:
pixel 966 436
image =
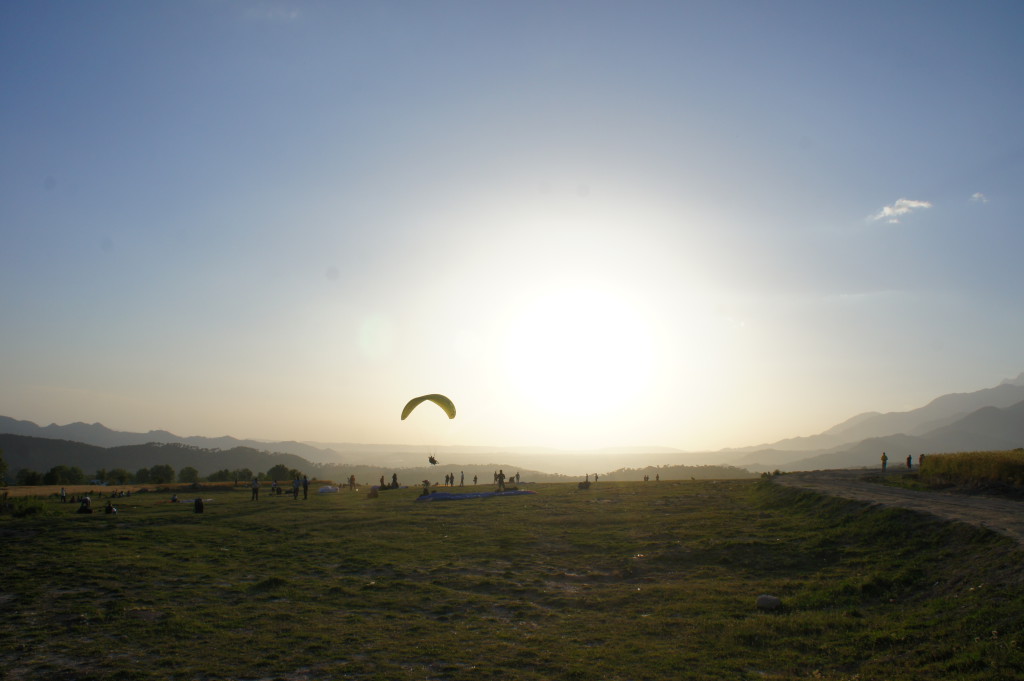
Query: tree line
pixel 32 460
pixel 154 475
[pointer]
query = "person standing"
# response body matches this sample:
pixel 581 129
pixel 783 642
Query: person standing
pixel 909 460
pixel 501 480
pixel 63 495
pixel 295 488
pixel 885 460
pixel 255 490
pixel 305 487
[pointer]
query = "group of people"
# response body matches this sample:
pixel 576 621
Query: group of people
pixel 276 489
pixel 499 479
pixel 449 479
pixel 85 506
pixel 910 461
pixel 392 485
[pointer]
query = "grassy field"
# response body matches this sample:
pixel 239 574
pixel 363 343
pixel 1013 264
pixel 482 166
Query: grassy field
pixel 967 469
pixel 621 581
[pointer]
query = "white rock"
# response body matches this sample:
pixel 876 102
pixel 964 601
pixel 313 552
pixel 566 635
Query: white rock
pixel 766 602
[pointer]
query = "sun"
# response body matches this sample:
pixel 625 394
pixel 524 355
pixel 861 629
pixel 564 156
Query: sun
pixel 579 351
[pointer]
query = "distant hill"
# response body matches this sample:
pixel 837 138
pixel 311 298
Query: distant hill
pixel 939 412
pixel 42 454
pixel 988 428
pixel 99 435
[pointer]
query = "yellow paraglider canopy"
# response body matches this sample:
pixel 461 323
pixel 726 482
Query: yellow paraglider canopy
pixel 439 400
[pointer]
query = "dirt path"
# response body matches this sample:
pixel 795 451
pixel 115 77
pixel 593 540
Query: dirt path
pixel 1000 515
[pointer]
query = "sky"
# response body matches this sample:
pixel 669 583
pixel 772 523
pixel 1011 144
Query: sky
pixel 590 224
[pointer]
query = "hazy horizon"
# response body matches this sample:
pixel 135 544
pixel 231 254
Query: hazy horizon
pixel 591 224
pixel 650 448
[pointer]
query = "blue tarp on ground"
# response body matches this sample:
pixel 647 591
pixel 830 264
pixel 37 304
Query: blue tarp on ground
pixel 450 496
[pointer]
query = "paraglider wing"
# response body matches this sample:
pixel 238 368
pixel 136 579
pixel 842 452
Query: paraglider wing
pixel 439 400
pixel 432 460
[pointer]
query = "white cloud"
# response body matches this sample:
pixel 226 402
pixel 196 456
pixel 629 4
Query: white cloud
pixel 978 197
pixel 901 207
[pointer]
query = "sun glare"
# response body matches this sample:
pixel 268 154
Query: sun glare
pixel 579 351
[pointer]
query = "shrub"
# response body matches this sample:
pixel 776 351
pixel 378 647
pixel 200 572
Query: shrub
pixel 25 507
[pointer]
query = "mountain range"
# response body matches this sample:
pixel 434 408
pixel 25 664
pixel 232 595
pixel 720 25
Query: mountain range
pixel 988 419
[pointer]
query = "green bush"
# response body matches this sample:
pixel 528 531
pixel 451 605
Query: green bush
pixel 26 507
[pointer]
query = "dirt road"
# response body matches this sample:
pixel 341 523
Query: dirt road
pixel 1000 515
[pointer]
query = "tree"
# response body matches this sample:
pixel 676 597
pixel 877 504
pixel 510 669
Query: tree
pixel 24 476
pixel 279 472
pixel 142 476
pixel 223 475
pixel 161 474
pixel 119 476
pixel 3 469
pixel 188 474
pixel 64 475
pixel 101 475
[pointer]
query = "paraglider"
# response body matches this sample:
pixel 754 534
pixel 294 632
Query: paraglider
pixel 440 400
